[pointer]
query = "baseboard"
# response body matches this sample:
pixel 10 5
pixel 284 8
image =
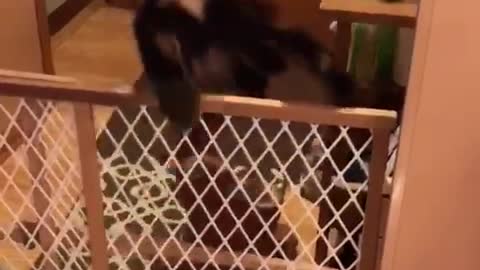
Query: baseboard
pixel 63 14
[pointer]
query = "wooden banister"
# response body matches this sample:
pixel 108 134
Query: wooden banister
pixel 31 85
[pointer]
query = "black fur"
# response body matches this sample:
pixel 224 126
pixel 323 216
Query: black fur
pixel 244 31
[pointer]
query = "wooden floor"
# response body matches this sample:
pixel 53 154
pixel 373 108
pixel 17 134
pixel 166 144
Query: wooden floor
pixel 97 46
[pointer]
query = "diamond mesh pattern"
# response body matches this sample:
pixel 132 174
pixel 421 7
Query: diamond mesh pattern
pixel 41 211
pixel 236 193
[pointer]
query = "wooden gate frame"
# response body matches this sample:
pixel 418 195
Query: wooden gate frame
pixel 39 86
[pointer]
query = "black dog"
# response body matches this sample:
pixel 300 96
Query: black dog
pixel 223 46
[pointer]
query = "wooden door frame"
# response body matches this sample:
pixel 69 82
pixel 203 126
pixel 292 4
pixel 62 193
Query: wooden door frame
pixel 432 222
pixel 412 102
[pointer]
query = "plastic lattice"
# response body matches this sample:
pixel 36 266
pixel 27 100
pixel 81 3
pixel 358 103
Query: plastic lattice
pixel 235 193
pixel 41 212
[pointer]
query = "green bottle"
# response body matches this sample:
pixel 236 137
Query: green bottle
pixel 373 51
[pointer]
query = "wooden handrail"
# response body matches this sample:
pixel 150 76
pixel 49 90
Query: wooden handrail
pixel 13 74
pixel 32 85
pixel 315 114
